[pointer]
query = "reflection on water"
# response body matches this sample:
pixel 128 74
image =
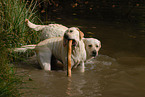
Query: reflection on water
pixel 104 77
pixel 118 71
pixel 74 88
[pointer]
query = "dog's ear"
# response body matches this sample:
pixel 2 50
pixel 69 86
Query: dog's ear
pixel 81 34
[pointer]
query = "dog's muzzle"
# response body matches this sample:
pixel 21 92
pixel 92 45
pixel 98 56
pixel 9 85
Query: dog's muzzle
pixel 94 53
pixel 67 38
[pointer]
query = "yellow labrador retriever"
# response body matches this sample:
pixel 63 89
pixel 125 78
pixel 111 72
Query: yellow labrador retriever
pixel 92 45
pixel 57 47
pixel 48 31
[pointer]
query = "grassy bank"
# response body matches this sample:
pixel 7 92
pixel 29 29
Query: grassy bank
pixel 9 82
pixel 13 33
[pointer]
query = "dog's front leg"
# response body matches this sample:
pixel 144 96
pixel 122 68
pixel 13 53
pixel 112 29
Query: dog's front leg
pixel 82 66
pixel 44 58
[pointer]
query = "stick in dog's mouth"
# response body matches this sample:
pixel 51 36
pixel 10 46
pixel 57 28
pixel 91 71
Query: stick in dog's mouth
pixel 69 58
pixel 74 43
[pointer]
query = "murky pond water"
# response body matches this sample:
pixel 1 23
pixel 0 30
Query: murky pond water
pixel 118 71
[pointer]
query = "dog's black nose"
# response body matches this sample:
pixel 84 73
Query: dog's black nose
pixel 94 53
pixel 66 36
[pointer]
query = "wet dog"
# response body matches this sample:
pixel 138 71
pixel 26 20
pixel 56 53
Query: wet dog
pixel 48 31
pixel 92 45
pixel 57 47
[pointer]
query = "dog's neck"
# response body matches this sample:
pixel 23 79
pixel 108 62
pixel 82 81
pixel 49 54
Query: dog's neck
pixel 79 52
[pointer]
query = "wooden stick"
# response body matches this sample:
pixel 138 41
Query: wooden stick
pixel 69 58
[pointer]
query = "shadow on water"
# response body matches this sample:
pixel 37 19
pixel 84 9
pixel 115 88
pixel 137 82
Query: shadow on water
pixel 118 71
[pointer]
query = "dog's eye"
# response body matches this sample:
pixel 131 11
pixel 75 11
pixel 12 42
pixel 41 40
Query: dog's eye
pixel 97 46
pixel 71 31
pixel 90 45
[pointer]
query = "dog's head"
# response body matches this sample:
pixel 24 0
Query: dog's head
pixel 74 34
pixel 92 46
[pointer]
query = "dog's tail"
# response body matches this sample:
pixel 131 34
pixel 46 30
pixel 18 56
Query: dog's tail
pixel 24 48
pixel 34 26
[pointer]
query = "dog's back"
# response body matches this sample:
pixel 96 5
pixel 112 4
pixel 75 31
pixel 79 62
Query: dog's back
pixel 53 30
pixel 48 31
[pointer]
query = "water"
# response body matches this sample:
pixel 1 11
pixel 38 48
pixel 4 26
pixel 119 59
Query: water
pixel 118 71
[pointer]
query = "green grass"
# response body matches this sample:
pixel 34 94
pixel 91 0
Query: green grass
pixel 13 33
pixel 14 13
pixel 9 82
